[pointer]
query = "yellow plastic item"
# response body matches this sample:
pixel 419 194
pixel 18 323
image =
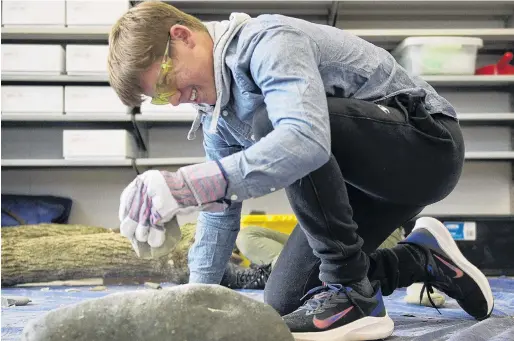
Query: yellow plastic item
pixel 284 223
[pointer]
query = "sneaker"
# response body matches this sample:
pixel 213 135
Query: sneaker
pixel 237 277
pixel 337 313
pixel 449 271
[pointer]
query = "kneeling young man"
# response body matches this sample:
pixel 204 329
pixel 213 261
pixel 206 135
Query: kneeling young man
pixel 359 145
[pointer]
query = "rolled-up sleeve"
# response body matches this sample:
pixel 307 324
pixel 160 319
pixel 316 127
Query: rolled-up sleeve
pixel 284 65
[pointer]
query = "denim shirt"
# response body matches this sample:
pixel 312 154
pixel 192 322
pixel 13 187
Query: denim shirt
pixel 284 68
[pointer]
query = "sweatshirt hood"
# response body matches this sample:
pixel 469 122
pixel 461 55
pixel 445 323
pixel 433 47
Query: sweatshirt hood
pixel 222 33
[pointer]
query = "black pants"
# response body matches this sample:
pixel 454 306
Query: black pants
pixel 388 162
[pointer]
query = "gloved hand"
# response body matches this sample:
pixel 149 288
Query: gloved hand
pixel 172 237
pixel 156 197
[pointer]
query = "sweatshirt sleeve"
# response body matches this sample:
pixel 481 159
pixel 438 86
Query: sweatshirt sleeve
pixel 284 65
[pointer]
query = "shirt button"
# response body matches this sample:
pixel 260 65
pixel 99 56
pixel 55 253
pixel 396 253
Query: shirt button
pixel 252 137
pixel 233 197
pixel 224 113
pixel 272 189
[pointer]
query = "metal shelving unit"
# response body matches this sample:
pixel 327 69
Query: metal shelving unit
pixel 384 23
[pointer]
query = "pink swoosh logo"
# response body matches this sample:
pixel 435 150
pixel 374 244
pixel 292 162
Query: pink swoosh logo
pixel 324 324
pixel 458 272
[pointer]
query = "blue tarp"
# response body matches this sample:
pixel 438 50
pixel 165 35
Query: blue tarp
pixel 412 322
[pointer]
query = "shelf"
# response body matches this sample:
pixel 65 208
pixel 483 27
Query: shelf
pixel 350 8
pixel 468 217
pixel 220 10
pixel 449 80
pixel 164 118
pixel 63 163
pixel 417 8
pixel 35 78
pixel 17 119
pixel 181 161
pixel 173 161
pixel 486 118
pixel 470 81
pixel 65 118
pixel 490 156
pixel 494 38
pixel 85 33
pixel 38 163
pixel 187 118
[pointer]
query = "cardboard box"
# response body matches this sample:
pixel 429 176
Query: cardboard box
pixel 98 13
pixel 18 99
pixel 92 99
pixel 86 59
pixel 99 144
pixel 41 59
pixel 44 12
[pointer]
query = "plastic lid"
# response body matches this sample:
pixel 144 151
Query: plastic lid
pixel 439 40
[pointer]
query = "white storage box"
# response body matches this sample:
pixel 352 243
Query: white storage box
pixel 98 144
pixel 438 55
pixel 92 99
pixel 86 59
pixel 186 109
pixel 99 13
pixel 44 59
pixel 32 99
pixel 49 12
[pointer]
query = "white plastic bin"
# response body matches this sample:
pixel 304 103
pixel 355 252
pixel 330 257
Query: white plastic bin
pixel 438 55
pixel 185 109
pixel 92 99
pixel 86 59
pixel 98 144
pixel 23 99
pixel 96 13
pixel 34 12
pixel 33 58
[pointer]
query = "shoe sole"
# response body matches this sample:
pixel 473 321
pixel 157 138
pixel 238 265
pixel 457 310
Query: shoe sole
pixel 366 328
pixel 448 245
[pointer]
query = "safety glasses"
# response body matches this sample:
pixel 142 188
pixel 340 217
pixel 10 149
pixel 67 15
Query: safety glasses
pixel 165 87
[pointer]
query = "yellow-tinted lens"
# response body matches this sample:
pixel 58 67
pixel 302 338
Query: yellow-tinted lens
pixel 161 99
pixel 165 85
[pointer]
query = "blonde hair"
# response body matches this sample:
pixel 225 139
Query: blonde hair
pixel 138 40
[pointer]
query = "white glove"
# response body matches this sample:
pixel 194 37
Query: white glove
pixel 156 197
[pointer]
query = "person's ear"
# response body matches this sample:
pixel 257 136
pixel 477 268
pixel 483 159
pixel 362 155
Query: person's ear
pixel 183 34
